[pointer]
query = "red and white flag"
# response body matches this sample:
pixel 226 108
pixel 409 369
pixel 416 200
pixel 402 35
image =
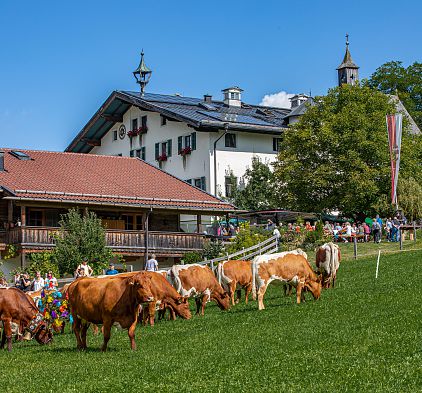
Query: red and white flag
pixel 394 128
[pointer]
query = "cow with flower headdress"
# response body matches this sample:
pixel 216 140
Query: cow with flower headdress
pixel 16 309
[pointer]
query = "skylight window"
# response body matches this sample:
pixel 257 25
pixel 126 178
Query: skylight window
pixel 20 155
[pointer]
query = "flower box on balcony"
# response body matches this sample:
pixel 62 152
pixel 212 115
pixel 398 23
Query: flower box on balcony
pixel 185 151
pixel 162 158
pixel 137 131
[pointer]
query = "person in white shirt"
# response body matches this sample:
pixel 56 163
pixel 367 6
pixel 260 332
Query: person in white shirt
pixel 277 235
pixel 152 264
pixel 85 267
pixel 38 282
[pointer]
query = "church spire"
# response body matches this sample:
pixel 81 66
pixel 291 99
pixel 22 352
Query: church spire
pixel 347 70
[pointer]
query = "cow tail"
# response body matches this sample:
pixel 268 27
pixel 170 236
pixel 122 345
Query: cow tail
pixel 332 260
pixel 220 272
pixel 254 279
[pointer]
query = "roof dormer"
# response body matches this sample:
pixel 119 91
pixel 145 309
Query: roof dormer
pixel 298 99
pixel 233 96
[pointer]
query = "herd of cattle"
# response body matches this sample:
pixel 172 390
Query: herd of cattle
pixel 122 299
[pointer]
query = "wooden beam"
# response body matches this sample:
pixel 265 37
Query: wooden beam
pixel 10 211
pixel 113 118
pixel 23 216
pixel 92 142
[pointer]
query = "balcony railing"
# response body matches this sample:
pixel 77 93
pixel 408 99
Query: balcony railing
pixel 168 243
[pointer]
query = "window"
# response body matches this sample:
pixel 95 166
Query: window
pixel 51 218
pixel 35 218
pixel 230 185
pixel 230 140
pixel 119 155
pixel 144 123
pixel 140 153
pixel 234 96
pixel 134 124
pixel 276 144
pixel 115 135
pixel 198 182
pixel 163 120
pixel 128 222
pixel 163 148
pixel 186 141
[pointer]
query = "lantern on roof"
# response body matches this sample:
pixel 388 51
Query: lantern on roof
pixel 142 74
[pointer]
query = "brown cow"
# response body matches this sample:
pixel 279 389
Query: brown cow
pixel 198 281
pixel 327 261
pixel 288 267
pixel 108 302
pixel 235 275
pixel 17 308
pixel 165 297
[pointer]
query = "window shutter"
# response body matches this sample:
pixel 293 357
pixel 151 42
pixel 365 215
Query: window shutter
pixel 169 148
pixel 132 153
pixel 193 141
pixel 157 150
pixel 143 153
pixel 179 143
pixel 203 184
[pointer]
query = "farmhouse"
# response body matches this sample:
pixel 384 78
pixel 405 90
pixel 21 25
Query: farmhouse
pixel 200 140
pixel 143 208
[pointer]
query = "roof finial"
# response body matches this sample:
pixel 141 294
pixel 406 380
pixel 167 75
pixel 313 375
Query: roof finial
pixel 347 39
pixel 142 74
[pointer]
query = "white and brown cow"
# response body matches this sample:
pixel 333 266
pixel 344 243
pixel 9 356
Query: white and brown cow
pixel 234 276
pixel 198 281
pixel 327 261
pixel 289 267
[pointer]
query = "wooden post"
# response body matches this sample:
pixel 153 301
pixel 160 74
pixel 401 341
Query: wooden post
pixel 401 239
pixel 355 247
pixel 23 216
pixel 10 212
pixel 414 231
pixel 146 238
pixel 198 223
pixel 23 259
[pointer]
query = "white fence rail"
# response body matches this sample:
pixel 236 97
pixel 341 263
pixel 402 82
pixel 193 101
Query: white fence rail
pixel 268 246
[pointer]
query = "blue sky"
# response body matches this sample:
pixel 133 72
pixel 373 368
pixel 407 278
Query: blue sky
pixel 61 60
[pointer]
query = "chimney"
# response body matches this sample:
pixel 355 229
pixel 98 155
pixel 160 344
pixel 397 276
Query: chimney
pixel 232 96
pixel 1 161
pixel 207 98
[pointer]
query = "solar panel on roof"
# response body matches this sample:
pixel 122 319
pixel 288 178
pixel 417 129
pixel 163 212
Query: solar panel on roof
pixel 235 118
pixel 207 106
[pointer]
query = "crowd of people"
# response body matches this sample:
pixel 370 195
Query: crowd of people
pixel 24 282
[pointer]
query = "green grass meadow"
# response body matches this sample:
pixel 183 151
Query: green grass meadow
pixel 362 336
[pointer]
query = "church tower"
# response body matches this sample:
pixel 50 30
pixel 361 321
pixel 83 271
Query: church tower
pixel 347 70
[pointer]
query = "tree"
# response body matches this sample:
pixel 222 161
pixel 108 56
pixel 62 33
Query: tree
pixel 258 193
pixel 410 198
pixel 81 237
pixel 394 78
pixel 337 158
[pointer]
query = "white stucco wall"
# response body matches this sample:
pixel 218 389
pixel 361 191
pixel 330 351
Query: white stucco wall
pixel 200 162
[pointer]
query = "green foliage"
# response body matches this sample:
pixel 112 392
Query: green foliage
pixel 393 78
pixel 337 158
pixel 42 262
pixel 410 197
pixel 192 257
pixel 258 193
pixel 211 250
pixel 248 236
pixel 81 237
pixel 11 252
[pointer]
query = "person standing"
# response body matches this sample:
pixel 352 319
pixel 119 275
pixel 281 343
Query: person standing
pixel 84 265
pixel 25 282
pixel 277 235
pixel 111 271
pixel 376 230
pixel 152 264
pixel 38 282
pixel 50 283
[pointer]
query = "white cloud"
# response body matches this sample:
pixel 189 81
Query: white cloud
pixel 279 100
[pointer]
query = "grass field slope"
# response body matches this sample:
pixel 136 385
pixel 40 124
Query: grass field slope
pixel 362 336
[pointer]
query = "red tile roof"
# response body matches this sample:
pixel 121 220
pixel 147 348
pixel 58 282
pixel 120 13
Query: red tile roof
pixel 89 178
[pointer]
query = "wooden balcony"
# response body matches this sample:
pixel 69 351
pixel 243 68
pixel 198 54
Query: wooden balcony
pixel 31 239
